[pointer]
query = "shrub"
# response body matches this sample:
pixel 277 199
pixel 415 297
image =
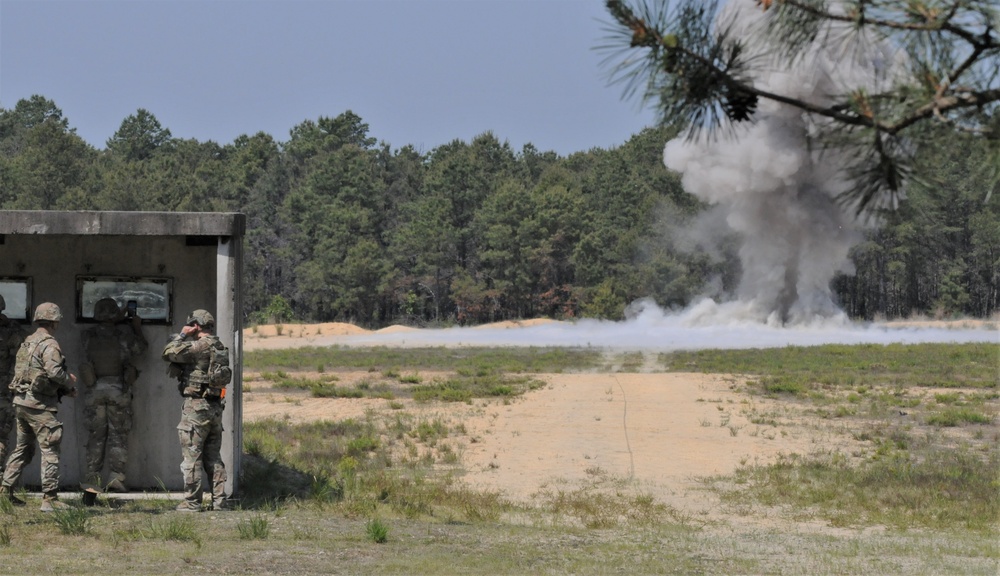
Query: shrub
pixel 377 531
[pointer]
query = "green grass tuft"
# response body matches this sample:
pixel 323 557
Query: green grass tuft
pixel 72 521
pixel 256 527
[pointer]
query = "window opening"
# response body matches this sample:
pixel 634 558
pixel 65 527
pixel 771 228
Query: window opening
pixel 152 296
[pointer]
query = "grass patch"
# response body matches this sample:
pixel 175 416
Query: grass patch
pixel 958 416
pixel 177 528
pixel 943 489
pixel 464 389
pixel 72 521
pixel 256 527
pixel 599 510
pixel 631 361
pixel 170 528
pixel 321 390
pixel 283 380
pixel 400 360
pixel 477 373
pixel 920 365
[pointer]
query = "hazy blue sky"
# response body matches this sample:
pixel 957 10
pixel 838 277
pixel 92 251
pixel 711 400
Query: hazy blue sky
pixel 421 72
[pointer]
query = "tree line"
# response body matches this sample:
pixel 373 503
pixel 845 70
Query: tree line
pixel 344 227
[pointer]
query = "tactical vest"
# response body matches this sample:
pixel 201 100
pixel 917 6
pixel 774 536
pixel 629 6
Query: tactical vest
pixel 210 374
pixel 105 353
pixel 30 375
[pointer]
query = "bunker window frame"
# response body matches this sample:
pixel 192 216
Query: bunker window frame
pixel 154 296
pixel 17 293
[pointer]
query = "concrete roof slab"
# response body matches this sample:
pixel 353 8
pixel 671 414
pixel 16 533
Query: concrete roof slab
pixel 122 223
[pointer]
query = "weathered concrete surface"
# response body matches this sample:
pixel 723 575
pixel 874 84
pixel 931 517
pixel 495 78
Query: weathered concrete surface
pixel 121 223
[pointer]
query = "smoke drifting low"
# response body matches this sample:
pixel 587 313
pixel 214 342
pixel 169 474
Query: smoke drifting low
pixel 652 329
pixel 776 188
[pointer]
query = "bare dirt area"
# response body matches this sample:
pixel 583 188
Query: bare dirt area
pixel 652 433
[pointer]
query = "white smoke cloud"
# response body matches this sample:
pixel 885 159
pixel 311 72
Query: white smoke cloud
pixel 776 186
pixel 704 325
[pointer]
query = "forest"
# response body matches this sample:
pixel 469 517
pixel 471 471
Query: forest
pixel 344 227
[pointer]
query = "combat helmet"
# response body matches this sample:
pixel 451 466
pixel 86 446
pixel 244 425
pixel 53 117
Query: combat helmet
pixel 48 311
pixel 106 309
pixel 202 318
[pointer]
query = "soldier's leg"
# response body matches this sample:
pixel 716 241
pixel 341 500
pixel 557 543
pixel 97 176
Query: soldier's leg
pixel 95 415
pixel 119 416
pixel 214 466
pixel 7 420
pixel 49 431
pixel 24 451
pixel 192 439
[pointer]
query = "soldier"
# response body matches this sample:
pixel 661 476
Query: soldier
pixel 200 362
pixel 108 374
pixel 39 383
pixel 11 336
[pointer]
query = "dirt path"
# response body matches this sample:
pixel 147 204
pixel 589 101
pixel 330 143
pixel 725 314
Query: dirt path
pixel 659 432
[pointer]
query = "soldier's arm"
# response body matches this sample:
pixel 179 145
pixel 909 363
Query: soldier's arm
pixel 14 341
pixel 54 364
pixel 137 343
pixel 177 350
pixel 184 351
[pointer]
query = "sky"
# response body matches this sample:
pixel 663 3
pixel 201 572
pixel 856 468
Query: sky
pixel 418 72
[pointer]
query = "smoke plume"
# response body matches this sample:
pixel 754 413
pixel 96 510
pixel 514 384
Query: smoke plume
pixel 775 184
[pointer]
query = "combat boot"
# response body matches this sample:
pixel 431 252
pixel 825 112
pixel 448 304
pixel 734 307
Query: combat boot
pixel 8 493
pixel 187 506
pixel 89 497
pixel 51 503
pixel 117 484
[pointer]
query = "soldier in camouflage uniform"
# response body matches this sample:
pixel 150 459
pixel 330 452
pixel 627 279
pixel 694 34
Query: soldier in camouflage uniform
pixel 108 375
pixel 39 383
pixel 11 336
pixel 200 362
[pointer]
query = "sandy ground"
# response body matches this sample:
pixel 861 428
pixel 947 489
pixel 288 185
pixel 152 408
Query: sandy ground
pixel 660 432
pixel 277 336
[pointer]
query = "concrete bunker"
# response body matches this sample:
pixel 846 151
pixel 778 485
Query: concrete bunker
pixel 169 263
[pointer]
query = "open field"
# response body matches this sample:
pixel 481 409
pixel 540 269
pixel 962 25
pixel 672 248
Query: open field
pixel 839 460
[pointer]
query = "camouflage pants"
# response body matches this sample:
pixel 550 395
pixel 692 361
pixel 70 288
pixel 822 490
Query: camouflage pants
pixel 7 419
pixel 32 425
pixel 108 413
pixel 200 433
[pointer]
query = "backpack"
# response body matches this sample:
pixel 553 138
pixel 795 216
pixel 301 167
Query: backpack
pixel 219 372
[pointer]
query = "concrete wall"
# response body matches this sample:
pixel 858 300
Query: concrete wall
pixel 205 274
